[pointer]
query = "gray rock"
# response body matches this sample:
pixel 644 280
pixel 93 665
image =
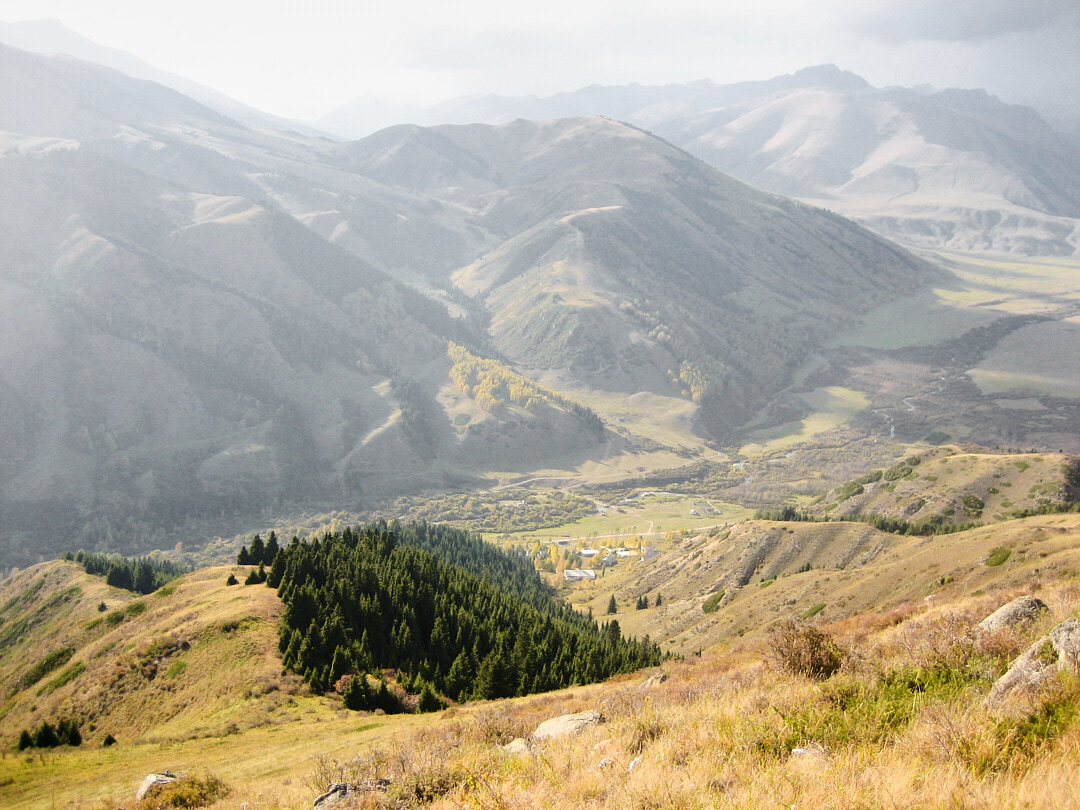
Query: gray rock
pixel 567 724
pixel 152 781
pixel 653 680
pixel 516 746
pixel 342 790
pixel 1057 652
pixel 1017 612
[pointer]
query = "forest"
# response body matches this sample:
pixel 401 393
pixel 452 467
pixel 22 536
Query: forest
pixel 450 613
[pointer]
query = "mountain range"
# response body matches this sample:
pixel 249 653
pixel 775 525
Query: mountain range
pixel 930 168
pixel 201 318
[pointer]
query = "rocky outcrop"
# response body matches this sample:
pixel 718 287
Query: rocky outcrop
pixel 341 791
pixel 1057 652
pixel 567 724
pixel 152 781
pixel 654 680
pixel 1014 614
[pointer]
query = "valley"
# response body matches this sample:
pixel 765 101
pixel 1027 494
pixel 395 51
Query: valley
pixel 724 414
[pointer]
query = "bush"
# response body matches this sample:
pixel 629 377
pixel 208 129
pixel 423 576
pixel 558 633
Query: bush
pixel 997 557
pixel 109 740
pixel 231 580
pixel 712 604
pixel 187 791
pixel 802 649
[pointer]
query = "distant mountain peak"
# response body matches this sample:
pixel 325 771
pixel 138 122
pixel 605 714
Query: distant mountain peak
pixel 830 75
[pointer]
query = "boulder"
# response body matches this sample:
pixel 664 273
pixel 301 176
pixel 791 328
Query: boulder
pixel 1057 652
pixel 516 746
pixel 567 724
pixel 152 781
pixel 1015 613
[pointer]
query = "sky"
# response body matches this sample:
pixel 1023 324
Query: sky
pixel 302 59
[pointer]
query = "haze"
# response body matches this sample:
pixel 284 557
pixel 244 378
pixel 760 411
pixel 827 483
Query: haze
pixel 302 60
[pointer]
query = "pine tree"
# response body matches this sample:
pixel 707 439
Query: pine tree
pixel 659 600
pixel 612 608
pixel 357 694
pixel 231 580
pixel 25 741
pixel 270 553
pixel 243 557
pixel 45 736
pixel 428 701
pixel 258 549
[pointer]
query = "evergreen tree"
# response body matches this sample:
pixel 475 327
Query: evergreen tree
pixel 144 577
pixel 231 580
pixel 612 608
pixel 67 733
pixel 119 576
pixel 258 549
pixel 385 700
pixel 270 553
pixel 45 736
pixel 428 701
pixel 253 577
pixel 243 557
pixel 109 740
pixel 659 599
pixel 357 694
pixel 24 740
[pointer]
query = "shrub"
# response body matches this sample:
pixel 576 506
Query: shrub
pixel 65 677
pixel 997 557
pixel 712 604
pixel 814 611
pixel 109 740
pixel 802 649
pixel 187 791
pixel 55 659
pixel 231 580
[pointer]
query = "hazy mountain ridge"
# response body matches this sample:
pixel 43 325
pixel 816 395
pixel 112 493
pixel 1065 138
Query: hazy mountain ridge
pixel 52 37
pixel 949 168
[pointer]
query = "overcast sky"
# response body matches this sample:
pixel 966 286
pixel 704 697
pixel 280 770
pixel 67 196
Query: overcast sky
pixel 301 59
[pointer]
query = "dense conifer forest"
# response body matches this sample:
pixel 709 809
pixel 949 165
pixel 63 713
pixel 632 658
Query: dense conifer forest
pixel 449 612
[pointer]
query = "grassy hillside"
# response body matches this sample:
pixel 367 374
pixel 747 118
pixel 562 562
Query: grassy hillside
pixel 194 659
pixel 902 721
pixel 759 572
pixel 950 486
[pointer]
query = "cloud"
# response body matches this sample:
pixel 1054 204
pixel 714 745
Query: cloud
pixel 961 20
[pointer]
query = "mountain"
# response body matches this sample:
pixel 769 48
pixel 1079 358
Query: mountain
pixel 53 37
pixel 204 320
pixel 626 265
pixel 952 168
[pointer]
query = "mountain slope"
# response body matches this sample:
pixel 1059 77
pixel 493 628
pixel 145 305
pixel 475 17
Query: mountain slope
pixel 626 262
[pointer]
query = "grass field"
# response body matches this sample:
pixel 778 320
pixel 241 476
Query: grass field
pixel 1043 357
pixel 832 407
